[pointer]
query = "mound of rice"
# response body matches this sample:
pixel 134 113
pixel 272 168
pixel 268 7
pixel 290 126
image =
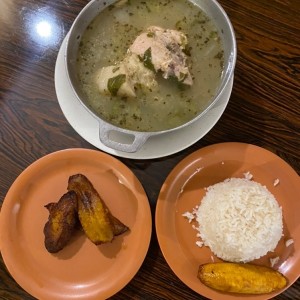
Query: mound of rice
pixel 240 220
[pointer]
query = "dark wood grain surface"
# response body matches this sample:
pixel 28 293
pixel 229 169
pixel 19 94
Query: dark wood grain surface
pixel 264 109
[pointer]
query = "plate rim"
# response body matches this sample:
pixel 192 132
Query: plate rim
pixel 159 214
pixel 31 169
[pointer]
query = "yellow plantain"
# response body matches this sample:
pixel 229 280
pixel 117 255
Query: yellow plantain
pixel 241 278
pixel 98 223
pixel 61 222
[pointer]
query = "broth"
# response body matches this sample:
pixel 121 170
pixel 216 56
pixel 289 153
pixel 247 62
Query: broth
pixel 110 34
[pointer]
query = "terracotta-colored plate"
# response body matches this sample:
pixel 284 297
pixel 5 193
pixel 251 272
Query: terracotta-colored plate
pixel 81 270
pixel 184 189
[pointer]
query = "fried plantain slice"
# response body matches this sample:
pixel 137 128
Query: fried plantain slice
pixel 61 222
pixel 99 224
pixel 119 227
pixel 241 278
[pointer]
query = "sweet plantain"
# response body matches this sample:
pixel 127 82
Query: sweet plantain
pixel 241 278
pixel 99 224
pixel 61 222
pixel 119 227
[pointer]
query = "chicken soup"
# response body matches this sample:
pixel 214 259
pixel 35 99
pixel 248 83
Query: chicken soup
pixel 150 66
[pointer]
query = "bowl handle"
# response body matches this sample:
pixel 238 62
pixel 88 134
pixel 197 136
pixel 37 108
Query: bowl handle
pixel 121 139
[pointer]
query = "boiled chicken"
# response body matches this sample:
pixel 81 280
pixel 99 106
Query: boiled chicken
pixel 166 48
pixel 155 50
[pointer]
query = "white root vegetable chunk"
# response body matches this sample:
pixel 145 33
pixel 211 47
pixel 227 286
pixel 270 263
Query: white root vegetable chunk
pixel 107 74
pixel 122 79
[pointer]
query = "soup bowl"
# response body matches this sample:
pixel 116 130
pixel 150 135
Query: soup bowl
pixel 124 139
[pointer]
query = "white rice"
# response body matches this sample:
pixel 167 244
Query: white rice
pixel 289 242
pixel 248 175
pixel 240 220
pixel 189 216
pixel 274 261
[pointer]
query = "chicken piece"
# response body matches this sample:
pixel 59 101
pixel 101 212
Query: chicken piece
pixel 138 73
pixel 122 79
pixel 99 224
pixel 241 278
pixel 61 222
pixel 163 49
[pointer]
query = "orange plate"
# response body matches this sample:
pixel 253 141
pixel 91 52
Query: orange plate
pixel 81 270
pixel 183 190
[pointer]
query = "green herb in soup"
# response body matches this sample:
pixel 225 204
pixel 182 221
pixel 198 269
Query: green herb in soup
pixel 147 59
pixel 115 83
pixel 150 66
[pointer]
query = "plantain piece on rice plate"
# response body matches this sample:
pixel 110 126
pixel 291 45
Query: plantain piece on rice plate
pixel 241 278
pixel 99 224
pixel 61 222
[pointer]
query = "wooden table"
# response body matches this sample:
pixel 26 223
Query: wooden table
pixel 264 109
